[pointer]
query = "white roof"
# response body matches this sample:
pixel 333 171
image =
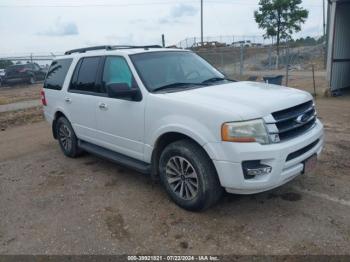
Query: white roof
pixel 125 51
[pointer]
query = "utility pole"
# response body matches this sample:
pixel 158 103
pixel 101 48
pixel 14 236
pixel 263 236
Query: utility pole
pixel 324 19
pixel 163 40
pixel 202 22
pixel 324 36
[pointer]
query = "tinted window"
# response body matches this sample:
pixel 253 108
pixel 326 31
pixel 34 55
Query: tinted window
pixel 158 69
pixel 57 73
pixel 116 70
pixel 86 76
pixel 15 68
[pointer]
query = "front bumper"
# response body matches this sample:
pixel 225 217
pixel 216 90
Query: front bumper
pixel 228 158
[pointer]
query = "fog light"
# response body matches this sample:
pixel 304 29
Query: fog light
pixel 254 168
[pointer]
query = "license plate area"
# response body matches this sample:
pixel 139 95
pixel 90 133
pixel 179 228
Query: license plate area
pixel 310 164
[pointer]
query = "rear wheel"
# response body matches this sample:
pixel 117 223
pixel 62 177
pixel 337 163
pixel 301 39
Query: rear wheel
pixel 67 138
pixel 189 176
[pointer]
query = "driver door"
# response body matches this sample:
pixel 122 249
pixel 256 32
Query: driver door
pixel 120 122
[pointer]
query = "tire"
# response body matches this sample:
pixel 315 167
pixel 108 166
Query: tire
pixel 67 139
pixel 197 169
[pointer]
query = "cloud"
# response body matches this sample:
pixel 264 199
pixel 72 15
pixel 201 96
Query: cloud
pixel 120 40
pixel 61 29
pixel 138 21
pixel 178 14
pixel 183 10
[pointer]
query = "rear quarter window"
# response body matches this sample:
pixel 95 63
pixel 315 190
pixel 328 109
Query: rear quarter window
pixel 57 73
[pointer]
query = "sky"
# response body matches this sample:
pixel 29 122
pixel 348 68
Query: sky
pixel 54 26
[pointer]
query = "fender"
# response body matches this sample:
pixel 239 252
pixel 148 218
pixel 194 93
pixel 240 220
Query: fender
pixel 191 131
pixel 54 117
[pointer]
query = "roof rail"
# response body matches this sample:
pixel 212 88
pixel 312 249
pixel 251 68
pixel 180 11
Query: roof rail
pixel 92 48
pixel 109 47
pixel 134 47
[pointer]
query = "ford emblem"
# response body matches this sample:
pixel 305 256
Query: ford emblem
pixel 302 118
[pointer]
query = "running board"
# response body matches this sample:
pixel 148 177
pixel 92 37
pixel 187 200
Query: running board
pixel 117 158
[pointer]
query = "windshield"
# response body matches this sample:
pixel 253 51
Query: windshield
pixel 159 69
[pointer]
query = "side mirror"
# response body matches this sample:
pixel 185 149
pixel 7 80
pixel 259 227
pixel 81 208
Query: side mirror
pixel 122 90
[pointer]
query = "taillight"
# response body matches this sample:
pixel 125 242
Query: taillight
pixel 43 99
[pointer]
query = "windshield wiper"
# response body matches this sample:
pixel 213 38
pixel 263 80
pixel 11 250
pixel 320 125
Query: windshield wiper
pixel 215 79
pixel 175 85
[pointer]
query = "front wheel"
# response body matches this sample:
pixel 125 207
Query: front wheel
pixel 189 176
pixel 67 138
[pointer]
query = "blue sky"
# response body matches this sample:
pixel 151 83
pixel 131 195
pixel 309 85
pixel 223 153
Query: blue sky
pixel 42 26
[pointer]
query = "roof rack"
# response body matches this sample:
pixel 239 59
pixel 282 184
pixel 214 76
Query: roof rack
pixel 109 47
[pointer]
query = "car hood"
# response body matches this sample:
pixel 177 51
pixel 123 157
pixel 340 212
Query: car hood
pixel 248 100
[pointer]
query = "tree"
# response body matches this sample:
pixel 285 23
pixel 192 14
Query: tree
pixel 5 64
pixel 280 19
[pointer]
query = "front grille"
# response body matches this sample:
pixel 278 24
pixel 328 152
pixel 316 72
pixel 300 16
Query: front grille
pixel 302 151
pixel 292 122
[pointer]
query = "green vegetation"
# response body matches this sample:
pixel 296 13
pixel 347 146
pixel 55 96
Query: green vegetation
pixel 5 64
pixel 280 18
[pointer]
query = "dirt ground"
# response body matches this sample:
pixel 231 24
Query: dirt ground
pixel 12 94
pixel 50 204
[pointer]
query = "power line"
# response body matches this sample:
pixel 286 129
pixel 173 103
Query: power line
pixel 56 5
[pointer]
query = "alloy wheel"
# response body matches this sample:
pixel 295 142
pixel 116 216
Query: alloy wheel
pixel 65 136
pixel 182 177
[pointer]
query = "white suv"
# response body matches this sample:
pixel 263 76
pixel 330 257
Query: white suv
pixel 169 113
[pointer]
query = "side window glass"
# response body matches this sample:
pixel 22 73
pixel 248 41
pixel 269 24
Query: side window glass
pixel 117 71
pixel 57 73
pixel 85 81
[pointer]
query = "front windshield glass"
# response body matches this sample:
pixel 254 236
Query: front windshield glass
pixel 159 69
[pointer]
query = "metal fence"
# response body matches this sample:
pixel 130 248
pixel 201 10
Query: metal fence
pixel 234 40
pixel 301 66
pixel 248 58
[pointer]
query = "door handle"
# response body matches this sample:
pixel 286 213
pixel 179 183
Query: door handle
pixel 68 100
pixel 102 106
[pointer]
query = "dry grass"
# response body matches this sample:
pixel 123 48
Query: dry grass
pixel 14 94
pixel 20 117
pixel 298 81
pixel 306 83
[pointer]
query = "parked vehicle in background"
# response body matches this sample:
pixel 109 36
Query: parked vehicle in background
pixel 2 74
pixel 169 113
pixel 208 44
pixel 25 73
pixel 45 68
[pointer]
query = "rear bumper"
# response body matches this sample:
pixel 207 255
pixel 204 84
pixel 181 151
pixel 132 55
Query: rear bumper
pixel 229 158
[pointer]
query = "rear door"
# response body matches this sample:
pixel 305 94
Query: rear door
pixel 82 98
pixel 54 82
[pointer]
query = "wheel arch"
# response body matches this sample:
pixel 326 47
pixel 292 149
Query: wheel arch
pixel 57 115
pixel 164 140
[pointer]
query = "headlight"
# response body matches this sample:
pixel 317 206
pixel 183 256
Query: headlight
pixel 245 132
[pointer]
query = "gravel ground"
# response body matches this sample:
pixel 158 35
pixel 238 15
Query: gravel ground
pixel 50 204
